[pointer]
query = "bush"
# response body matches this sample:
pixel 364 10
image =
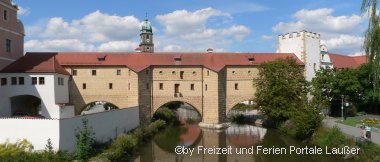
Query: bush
pixel 122 146
pixel 306 122
pixel 126 144
pixel 85 141
pixel 237 118
pixel 166 114
pixel 330 137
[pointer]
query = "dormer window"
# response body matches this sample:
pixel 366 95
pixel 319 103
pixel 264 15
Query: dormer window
pixel 251 59
pixel 102 58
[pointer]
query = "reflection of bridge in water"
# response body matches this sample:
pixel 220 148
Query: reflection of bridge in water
pixel 246 130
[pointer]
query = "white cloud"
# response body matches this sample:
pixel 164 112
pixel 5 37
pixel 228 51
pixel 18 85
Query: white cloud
pixel 342 34
pixel 118 46
pixel 23 11
pixel 96 31
pixel 182 31
pixel 189 30
pixel 183 21
pixel 58 45
pixel 267 37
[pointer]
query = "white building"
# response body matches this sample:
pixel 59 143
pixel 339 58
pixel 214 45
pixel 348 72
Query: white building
pixel 306 46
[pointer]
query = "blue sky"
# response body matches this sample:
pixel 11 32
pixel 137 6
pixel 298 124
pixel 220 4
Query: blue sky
pixel 189 25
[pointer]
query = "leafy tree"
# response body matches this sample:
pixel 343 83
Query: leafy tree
pixel 372 42
pixel 85 141
pixel 322 86
pixel 281 89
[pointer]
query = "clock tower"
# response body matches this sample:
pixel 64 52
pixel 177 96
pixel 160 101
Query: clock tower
pixel 146 37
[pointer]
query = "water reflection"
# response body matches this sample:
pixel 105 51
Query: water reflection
pixel 162 147
pixel 245 135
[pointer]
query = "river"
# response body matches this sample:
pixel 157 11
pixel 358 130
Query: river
pixel 240 143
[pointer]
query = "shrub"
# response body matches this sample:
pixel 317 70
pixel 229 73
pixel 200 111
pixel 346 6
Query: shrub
pixel 237 118
pixel 306 122
pixel 330 137
pixel 85 141
pixel 122 146
pixel 166 114
pixel 15 149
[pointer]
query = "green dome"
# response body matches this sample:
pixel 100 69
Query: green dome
pixel 146 28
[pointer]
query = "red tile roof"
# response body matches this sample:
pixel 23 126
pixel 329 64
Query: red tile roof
pixel 53 62
pixel 140 61
pixel 342 61
pixel 36 63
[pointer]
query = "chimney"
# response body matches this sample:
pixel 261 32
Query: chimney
pixel 210 50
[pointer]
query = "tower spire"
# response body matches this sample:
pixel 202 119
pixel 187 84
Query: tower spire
pixel 146 36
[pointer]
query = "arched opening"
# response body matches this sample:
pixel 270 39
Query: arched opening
pixel 98 106
pixel 178 110
pixel 187 134
pixel 25 105
pixel 244 111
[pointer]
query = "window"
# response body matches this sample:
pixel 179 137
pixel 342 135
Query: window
pixel 192 87
pixel 129 86
pixel 93 72
pixel 233 72
pixel 60 81
pixel 84 86
pixel 208 73
pixel 194 73
pixel 13 80
pixel 147 85
pixel 118 72
pixel 5 15
pixel 74 72
pixel 3 81
pixel 236 86
pixel 173 72
pixel 249 72
pixel 110 86
pixel 161 86
pixel 181 74
pixel 21 80
pixel 129 72
pixel 206 87
pixel 41 80
pixel 176 88
pixel 8 45
pixel 147 72
pixel 160 72
pixel 34 80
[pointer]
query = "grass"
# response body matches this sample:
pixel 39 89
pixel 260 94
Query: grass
pixel 353 121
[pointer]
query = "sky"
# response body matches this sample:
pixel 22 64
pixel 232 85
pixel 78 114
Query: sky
pixel 189 25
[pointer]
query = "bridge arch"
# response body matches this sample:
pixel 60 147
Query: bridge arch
pixel 105 104
pixel 232 102
pixel 196 104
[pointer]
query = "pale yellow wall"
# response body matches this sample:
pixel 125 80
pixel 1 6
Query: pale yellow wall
pixel 97 87
pixel 165 75
pixel 244 76
pixel 212 104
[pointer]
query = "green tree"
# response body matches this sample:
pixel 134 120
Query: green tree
pixel 372 43
pixel 85 140
pixel 281 89
pixel 322 86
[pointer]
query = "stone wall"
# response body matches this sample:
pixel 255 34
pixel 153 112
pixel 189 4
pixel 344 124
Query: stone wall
pixel 98 86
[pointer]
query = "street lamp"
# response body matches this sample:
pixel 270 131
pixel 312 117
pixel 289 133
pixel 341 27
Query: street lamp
pixel 342 107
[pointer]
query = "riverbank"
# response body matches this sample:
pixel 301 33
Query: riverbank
pixel 332 135
pixel 350 131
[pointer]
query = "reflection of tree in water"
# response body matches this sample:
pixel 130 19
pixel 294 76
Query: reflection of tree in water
pixel 177 136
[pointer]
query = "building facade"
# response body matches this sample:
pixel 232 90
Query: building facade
pixel 11 34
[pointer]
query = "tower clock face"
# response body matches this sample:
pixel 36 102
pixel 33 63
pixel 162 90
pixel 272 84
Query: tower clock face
pixel 148 40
